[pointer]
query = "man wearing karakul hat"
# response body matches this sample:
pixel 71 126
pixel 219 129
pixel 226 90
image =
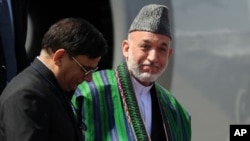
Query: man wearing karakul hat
pixel 126 103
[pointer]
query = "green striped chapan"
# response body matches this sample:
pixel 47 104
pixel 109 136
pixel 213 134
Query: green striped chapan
pixel 107 109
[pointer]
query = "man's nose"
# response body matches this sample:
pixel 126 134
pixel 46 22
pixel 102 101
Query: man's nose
pixel 152 55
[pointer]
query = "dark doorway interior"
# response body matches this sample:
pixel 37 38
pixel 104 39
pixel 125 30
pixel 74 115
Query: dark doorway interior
pixel 44 13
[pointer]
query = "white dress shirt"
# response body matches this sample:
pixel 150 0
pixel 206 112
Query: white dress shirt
pixel 145 103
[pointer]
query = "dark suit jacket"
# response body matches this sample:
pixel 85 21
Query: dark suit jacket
pixel 34 108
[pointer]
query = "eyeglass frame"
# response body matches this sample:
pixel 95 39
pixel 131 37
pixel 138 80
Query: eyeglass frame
pixel 83 68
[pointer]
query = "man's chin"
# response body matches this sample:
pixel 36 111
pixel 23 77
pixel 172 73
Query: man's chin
pixel 147 77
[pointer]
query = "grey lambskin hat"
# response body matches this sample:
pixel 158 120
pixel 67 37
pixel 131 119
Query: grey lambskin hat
pixel 152 18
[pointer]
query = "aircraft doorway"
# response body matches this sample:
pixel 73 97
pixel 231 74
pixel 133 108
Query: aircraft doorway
pixel 42 14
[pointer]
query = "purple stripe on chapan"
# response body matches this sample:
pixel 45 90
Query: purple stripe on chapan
pixel 96 108
pixel 110 106
pixel 183 129
pixel 172 109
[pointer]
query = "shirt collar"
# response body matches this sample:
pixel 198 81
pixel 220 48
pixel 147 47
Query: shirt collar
pixel 139 88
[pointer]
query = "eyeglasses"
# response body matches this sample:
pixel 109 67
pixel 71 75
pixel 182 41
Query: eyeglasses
pixel 86 72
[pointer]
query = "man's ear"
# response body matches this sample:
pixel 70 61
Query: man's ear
pixel 125 47
pixel 58 56
pixel 170 52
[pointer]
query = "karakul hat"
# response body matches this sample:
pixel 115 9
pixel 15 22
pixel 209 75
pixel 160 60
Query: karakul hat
pixel 152 18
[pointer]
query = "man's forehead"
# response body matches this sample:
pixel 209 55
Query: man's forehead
pixel 148 37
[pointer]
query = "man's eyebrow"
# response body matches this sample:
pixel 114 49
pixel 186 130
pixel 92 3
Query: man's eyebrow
pixel 163 43
pixel 146 41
